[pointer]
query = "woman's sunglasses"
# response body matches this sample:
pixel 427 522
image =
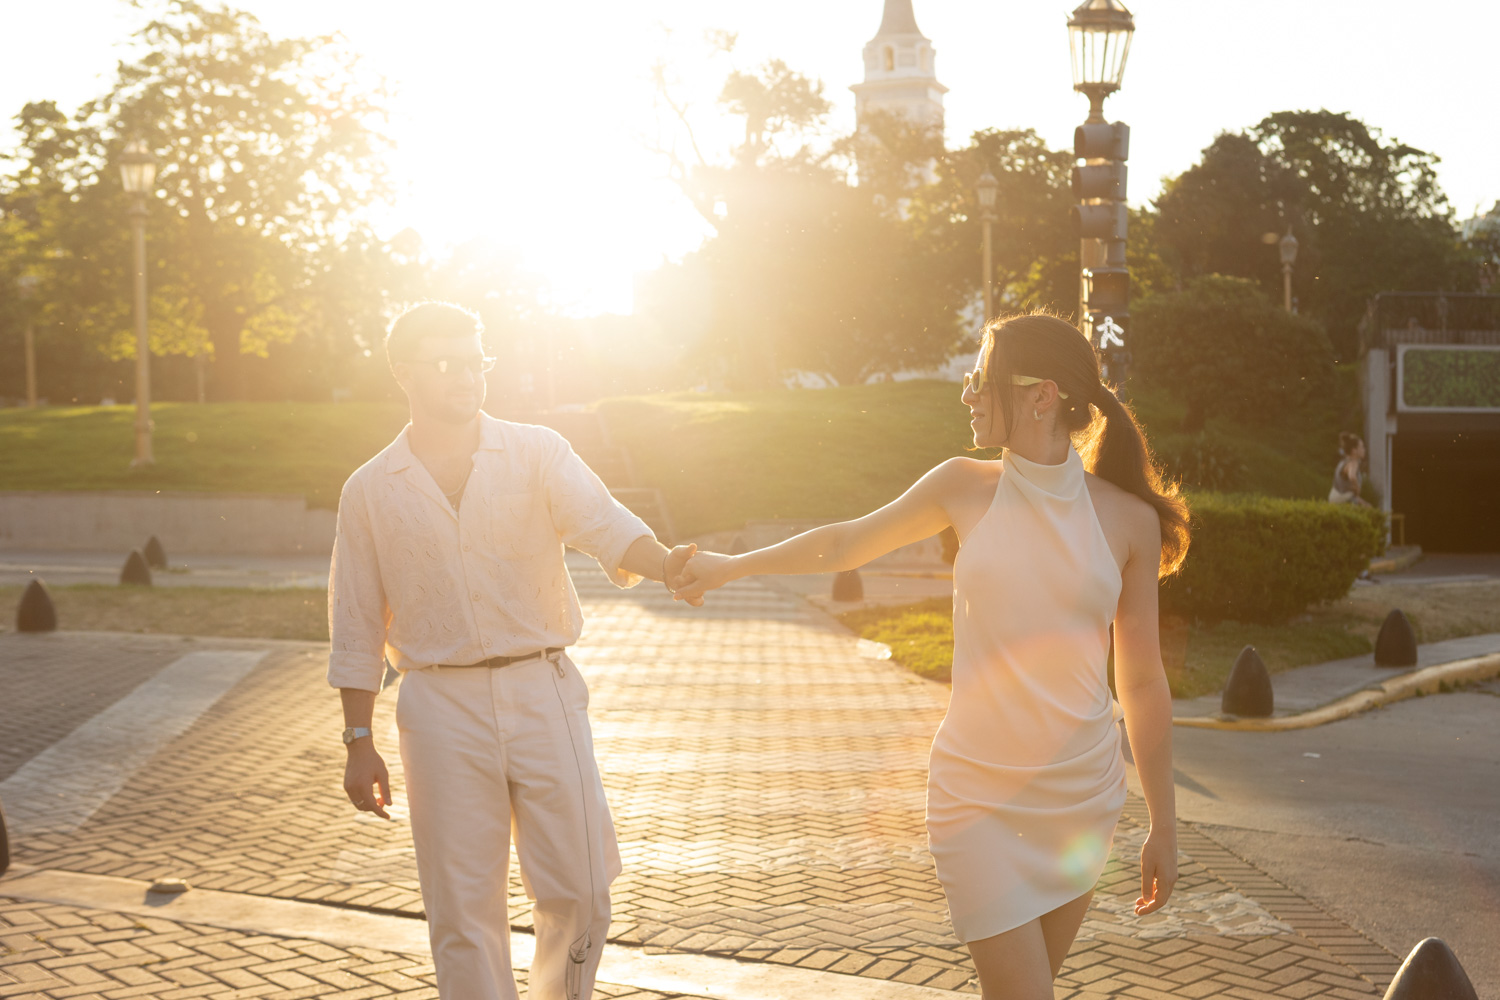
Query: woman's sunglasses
pixel 977 381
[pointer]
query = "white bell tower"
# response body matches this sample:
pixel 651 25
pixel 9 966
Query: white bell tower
pixel 899 71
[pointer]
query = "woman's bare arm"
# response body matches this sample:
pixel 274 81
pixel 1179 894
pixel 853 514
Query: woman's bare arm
pixel 919 513
pixel 1141 683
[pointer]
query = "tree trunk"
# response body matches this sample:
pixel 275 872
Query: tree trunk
pixel 226 380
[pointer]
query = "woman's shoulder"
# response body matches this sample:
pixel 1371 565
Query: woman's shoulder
pixel 1119 502
pixel 961 469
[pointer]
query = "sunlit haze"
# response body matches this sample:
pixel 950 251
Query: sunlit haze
pixel 532 123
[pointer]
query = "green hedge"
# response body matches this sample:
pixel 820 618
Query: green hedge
pixel 1258 559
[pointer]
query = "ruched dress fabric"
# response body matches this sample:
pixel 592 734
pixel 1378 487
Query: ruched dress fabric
pixel 1027 779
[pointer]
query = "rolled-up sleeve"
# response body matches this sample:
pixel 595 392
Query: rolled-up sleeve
pixel 358 615
pixel 586 516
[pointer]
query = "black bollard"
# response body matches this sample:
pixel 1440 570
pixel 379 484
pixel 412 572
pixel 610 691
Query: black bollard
pixel 1248 690
pixel 4 844
pixel 1396 646
pixel 136 572
pixel 35 612
pixel 156 556
pixel 847 586
pixel 1431 972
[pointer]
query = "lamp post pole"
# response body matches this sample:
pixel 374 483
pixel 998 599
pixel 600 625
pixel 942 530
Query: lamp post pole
pixel 1288 246
pixel 1099 36
pixel 138 173
pixel 987 187
pixel 25 288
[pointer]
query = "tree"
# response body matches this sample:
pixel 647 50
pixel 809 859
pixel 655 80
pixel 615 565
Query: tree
pixel 270 152
pixel 1226 349
pixel 1368 213
pixel 803 271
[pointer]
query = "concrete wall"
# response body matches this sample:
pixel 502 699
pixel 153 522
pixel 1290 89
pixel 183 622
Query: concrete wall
pixel 189 523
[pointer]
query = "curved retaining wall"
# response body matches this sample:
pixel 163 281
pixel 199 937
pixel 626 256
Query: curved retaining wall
pixel 198 523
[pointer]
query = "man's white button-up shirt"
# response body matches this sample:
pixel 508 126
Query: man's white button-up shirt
pixel 416 581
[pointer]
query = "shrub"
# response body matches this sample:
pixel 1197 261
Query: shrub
pixel 1202 462
pixel 1225 348
pixel 1257 559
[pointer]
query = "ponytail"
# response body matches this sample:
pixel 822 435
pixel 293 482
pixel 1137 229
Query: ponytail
pixel 1115 450
pixel 1111 445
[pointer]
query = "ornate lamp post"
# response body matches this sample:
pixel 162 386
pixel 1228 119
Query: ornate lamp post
pixel 138 175
pixel 1288 246
pixel 25 289
pixel 986 188
pixel 1099 34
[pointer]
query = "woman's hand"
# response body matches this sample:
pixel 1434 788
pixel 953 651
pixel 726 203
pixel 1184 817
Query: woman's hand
pixel 1158 871
pixel 705 571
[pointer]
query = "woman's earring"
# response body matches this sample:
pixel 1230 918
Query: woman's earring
pixel 1036 414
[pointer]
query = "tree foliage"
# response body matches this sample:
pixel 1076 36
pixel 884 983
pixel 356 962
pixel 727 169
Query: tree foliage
pixel 804 271
pixel 270 150
pixel 1368 213
pixel 1226 349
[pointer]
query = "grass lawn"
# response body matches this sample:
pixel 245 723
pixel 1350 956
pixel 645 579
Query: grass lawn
pixel 1198 657
pixel 305 448
pixel 720 459
pixel 249 613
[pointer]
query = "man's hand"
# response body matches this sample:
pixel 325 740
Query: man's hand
pixel 677 575
pixel 705 571
pixel 366 780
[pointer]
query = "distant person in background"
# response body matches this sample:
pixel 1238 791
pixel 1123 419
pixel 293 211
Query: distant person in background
pixel 1346 474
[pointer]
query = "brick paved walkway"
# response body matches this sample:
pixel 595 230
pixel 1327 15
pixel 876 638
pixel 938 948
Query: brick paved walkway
pixel 767 784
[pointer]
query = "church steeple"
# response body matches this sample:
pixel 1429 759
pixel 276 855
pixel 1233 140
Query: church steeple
pixel 900 74
pixel 898 19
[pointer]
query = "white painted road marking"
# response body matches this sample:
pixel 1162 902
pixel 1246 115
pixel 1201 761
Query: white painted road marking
pixel 61 787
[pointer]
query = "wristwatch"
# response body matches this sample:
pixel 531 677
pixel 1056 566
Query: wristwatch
pixel 354 733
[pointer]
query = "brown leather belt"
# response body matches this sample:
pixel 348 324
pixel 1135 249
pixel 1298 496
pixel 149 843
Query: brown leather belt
pixel 505 661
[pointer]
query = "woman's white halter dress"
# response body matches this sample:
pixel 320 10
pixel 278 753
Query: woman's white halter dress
pixel 1027 778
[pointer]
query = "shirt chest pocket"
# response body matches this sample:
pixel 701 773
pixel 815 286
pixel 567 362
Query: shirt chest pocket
pixel 520 526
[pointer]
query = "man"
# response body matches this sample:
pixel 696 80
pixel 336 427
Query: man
pixel 449 562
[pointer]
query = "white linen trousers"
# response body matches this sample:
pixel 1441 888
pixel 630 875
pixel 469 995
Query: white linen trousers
pixel 488 750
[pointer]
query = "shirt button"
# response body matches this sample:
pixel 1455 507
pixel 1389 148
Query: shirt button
pixel 486 644
pixel 466 548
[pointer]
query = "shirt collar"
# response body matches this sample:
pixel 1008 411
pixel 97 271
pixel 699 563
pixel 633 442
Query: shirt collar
pixel 399 455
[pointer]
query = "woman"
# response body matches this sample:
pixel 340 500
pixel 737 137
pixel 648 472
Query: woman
pixel 1027 778
pixel 1346 474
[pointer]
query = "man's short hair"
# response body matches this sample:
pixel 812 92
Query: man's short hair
pixel 428 319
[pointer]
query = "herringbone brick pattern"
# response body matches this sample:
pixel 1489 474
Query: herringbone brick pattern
pixel 53 951
pixel 768 788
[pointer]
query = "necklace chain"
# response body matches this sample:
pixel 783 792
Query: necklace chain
pixel 451 497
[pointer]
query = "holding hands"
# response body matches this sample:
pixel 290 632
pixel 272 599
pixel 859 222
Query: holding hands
pixel 696 573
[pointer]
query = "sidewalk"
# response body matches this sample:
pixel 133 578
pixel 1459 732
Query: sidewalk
pixel 767 784
pixel 1305 688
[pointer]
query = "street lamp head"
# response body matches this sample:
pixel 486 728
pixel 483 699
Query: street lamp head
pixel 1288 245
pixel 1099 33
pixel 987 187
pixel 137 167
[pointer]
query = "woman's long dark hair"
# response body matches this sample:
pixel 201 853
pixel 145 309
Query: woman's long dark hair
pixel 1112 446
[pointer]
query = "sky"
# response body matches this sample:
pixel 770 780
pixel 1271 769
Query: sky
pixel 532 124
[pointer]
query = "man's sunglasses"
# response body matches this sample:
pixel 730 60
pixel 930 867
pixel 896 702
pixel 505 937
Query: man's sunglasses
pixel 446 366
pixel 976 381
